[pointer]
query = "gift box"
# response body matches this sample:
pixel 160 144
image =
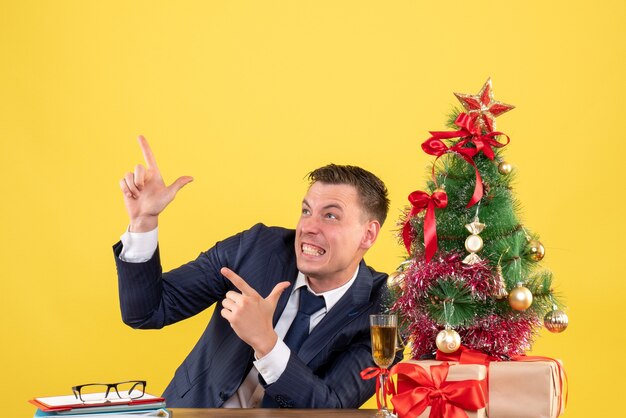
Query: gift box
pixel 530 387
pixel 449 388
pixel 526 389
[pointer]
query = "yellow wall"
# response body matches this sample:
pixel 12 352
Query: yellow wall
pixel 248 96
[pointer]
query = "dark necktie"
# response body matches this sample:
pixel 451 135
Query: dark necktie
pixel 297 333
pixel 299 330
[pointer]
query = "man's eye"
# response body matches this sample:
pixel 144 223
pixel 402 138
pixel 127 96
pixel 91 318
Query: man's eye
pixel 306 212
pixel 330 216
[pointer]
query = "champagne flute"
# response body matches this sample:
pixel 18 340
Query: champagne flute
pixel 383 329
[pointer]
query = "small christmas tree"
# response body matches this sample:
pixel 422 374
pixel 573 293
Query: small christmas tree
pixel 472 274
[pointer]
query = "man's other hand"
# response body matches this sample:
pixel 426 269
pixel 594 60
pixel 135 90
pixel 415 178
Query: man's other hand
pixel 145 192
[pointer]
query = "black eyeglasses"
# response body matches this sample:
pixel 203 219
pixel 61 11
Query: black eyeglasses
pixel 104 392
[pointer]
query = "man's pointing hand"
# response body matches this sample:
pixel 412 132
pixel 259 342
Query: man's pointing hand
pixel 250 315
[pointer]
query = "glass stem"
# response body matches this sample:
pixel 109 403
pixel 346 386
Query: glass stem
pixel 383 390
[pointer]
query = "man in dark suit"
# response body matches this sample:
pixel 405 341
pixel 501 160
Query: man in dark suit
pixel 250 354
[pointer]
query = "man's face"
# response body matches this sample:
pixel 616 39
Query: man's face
pixel 333 234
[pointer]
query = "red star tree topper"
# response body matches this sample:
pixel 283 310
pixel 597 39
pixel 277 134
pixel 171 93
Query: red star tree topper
pixel 482 107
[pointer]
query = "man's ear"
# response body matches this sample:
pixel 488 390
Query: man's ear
pixel 371 233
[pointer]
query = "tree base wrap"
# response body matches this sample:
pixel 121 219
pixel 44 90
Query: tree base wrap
pixel 526 389
pixel 461 394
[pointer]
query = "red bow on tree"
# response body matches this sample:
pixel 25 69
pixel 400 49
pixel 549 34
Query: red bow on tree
pixel 470 134
pixel 420 201
pixel 483 143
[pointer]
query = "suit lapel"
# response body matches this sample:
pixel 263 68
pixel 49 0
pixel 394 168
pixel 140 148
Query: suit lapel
pixel 350 306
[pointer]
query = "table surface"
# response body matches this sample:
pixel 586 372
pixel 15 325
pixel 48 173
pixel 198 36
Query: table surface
pixel 270 413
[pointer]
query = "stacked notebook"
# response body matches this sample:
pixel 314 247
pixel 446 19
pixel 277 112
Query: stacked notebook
pixel 68 406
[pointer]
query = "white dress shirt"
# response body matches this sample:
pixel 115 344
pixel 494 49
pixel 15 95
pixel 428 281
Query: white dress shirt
pixel 138 247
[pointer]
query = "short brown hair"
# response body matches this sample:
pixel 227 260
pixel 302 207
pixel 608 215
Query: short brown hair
pixel 371 190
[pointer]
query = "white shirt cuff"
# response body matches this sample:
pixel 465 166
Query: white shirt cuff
pixel 272 366
pixel 139 247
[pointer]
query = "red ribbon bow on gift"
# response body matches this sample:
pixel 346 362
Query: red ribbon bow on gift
pixel 372 372
pixel 470 134
pixel 446 399
pixel 420 201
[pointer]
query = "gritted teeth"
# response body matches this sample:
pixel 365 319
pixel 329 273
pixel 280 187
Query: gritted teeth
pixel 309 249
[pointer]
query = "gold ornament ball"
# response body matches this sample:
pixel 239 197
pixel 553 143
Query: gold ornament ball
pixel 448 341
pixel 520 298
pixel 505 168
pixel 535 251
pixel 556 321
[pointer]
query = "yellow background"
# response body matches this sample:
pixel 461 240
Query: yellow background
pixel 248 96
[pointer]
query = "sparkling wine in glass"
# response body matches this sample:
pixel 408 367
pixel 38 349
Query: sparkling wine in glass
pixel 383 329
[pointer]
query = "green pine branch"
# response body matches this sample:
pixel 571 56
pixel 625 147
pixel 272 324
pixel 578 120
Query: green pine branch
pixel 450 302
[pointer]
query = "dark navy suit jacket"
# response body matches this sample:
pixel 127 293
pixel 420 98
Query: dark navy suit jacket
pixel 325 372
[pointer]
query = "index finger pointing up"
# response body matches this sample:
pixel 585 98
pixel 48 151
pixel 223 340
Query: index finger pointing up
pixel 147 152
pixel 238 281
